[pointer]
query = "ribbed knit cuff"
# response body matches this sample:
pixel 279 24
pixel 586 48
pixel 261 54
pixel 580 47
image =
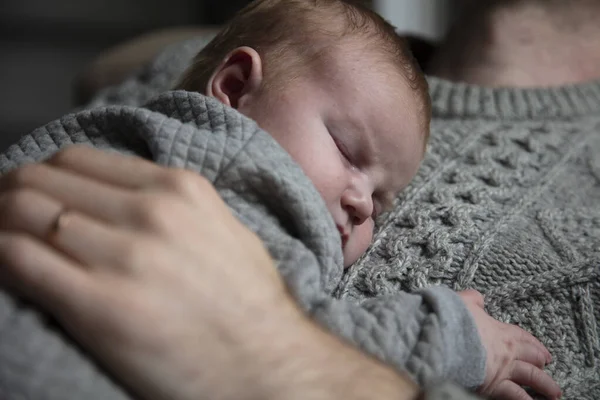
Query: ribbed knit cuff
pixel 461 100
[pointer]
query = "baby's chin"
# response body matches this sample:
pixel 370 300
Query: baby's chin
pixel 356 246
pixel 351 255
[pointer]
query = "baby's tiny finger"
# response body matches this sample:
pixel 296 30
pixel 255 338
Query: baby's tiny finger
pixel 528 375
pixel 532 355
pixel 508 390
pixel 528 338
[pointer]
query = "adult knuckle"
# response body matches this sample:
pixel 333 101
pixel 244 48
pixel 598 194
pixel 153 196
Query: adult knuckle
pixel 24 176
pixel 16 206
pixel 65 156
pixel 182 182
pixel 154 211
pixel 202 182
pixel 15 249
pixel 14 201
pixel 134 253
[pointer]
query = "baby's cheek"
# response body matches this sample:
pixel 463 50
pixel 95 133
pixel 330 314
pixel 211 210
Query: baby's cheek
pixel 366 235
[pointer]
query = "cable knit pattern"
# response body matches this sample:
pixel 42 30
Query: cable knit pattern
pixel 507 202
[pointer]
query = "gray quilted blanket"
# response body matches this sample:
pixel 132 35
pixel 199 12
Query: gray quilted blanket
pixel 271 195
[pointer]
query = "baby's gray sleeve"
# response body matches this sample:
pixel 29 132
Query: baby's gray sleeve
pixel 429 334
pixel 465 356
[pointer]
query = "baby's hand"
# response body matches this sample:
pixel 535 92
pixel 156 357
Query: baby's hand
pixel 514 357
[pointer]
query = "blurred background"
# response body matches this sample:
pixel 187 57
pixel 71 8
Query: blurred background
pixel 46 44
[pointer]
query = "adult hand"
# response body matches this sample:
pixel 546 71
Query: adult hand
pixel 132 237
pixel 152 274
pixel 515 358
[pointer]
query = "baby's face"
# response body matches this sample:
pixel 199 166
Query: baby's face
pixel 356 132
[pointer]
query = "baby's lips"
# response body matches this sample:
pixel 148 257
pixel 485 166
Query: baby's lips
pixel 344 241
pixel 343 235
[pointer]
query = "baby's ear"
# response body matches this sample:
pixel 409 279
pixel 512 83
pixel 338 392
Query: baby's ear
pixel 237 78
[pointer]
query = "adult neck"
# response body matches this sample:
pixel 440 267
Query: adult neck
pixel 522 43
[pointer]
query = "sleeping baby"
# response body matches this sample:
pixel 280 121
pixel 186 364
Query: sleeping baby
pixel 322 88
pixel 308 117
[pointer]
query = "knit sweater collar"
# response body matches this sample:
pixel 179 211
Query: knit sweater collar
pixel 461 100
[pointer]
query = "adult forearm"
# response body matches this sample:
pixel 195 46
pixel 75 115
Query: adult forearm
pixel 335 370
pixel 298 360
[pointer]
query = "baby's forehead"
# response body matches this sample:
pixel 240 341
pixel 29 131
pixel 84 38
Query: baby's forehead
pixel 398 127
pixel 372 95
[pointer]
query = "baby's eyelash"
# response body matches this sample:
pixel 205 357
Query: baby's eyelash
pixel 343 149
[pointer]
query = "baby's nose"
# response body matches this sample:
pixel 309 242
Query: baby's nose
pixel 358 205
